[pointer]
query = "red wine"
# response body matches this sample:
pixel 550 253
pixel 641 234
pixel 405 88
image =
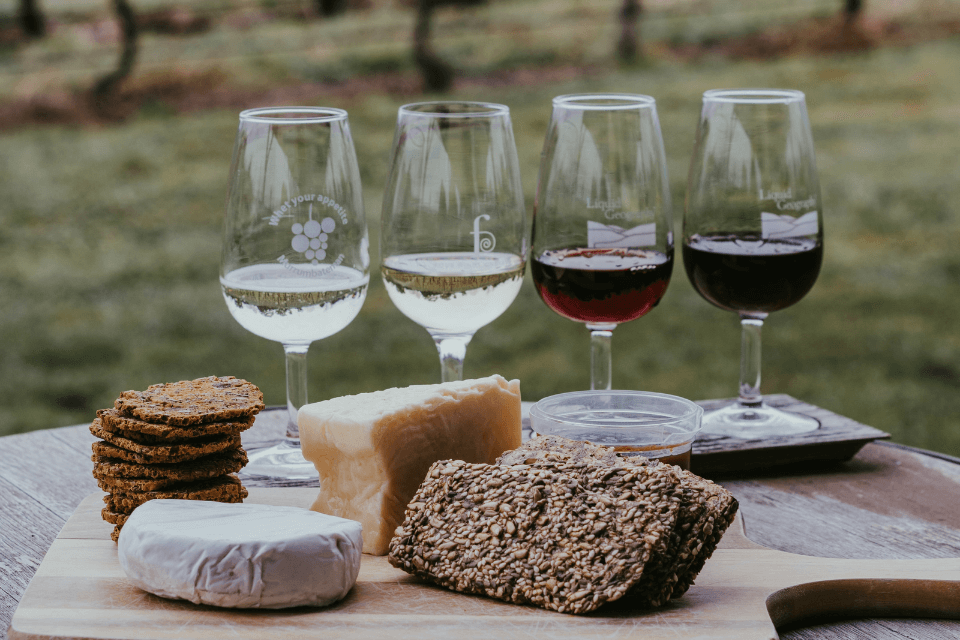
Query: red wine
pixel 744 273
pixel 602 285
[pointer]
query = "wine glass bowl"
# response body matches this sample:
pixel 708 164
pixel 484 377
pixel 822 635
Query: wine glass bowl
pixel 602 226
pixel 453 233
pixel 295 259
pixel 753 231
pixel 422 289
pixel 749 275
pixel 601 286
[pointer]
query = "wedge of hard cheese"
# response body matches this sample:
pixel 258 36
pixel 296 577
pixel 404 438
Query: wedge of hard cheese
pixel 373 450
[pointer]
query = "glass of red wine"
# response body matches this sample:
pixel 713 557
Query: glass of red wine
pixel 753 232
pixel 602 226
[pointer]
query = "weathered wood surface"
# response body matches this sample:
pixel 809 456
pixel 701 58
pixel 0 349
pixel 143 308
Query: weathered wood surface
pixel 887 502
pixel 43 476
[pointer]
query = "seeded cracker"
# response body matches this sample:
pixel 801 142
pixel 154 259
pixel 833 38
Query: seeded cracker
pixel 162 453
pixel 120 485
pixel 168 450
pixel 705 513
pixel 221 489
pixel 720 508
pixel 210 466
pixel 113 517
pixel 190 402
pixel 152 433
pixel 551 534
pixel 131 485
pixel 555 448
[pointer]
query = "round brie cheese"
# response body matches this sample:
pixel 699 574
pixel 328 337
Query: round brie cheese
pixel 240 555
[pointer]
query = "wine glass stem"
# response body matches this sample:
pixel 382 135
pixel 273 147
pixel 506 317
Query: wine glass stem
pixel 601 360
pixel 296 356
pixel 750 360
pixel 453 349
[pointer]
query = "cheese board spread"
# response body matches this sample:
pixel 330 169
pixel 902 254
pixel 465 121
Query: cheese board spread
pixel 80 591
pixel 438 474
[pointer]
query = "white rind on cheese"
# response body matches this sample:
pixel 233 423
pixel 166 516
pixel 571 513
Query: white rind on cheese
pixel 373 450
pixel 240 555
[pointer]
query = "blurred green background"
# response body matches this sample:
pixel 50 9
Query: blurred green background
pixel 110 226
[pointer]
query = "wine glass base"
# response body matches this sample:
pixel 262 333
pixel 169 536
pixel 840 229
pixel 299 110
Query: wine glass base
pixel 754 423
pixel 283 461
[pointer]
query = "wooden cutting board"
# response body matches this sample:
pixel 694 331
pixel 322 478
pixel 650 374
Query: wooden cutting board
pixel 79 591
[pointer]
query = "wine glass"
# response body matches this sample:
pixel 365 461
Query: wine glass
pixel 453 234
pixel 752 231
pixel 602 225
pixel 295 258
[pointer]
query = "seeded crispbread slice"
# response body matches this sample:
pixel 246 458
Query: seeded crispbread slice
pixel 217 464
pixel 661 577
pixel 221 489
pixel 555 448
pixel 189 402
pixel 523 533
pixel 661 484
pixel 150 433
pixel 720 508
pixel 148 454
pixel 705 513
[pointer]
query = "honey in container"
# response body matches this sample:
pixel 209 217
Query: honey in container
pixel 655 425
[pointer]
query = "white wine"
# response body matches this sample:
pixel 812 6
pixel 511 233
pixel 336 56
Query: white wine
pixel 453 293
pixel 294 305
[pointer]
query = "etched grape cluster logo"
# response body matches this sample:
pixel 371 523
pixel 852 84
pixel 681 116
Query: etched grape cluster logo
pixel 310 238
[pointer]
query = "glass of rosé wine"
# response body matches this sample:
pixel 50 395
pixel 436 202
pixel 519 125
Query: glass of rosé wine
pixel 753 232
pixel 602 227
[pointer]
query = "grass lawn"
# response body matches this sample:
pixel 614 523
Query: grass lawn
pixel 109 250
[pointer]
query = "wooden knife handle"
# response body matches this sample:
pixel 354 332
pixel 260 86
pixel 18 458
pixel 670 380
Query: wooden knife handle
pixel 815 602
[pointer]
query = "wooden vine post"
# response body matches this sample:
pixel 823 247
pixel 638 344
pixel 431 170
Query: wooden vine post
pixel 330 8
pixel 852 9
pixel 628 46
pixel 32 20
pixel 106 87
pixel 437 74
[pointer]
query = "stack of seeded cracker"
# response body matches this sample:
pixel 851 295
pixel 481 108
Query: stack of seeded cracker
pixel 176 440
pixel 563 525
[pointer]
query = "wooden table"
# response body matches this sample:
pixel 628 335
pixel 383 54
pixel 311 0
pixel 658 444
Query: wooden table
pixel 888 502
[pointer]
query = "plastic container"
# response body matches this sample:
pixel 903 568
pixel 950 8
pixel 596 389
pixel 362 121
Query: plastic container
pixel 654 425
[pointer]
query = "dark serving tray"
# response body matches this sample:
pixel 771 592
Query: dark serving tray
pixel 838 439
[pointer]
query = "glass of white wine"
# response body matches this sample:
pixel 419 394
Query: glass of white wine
pixel 295 258
pixel 453 231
